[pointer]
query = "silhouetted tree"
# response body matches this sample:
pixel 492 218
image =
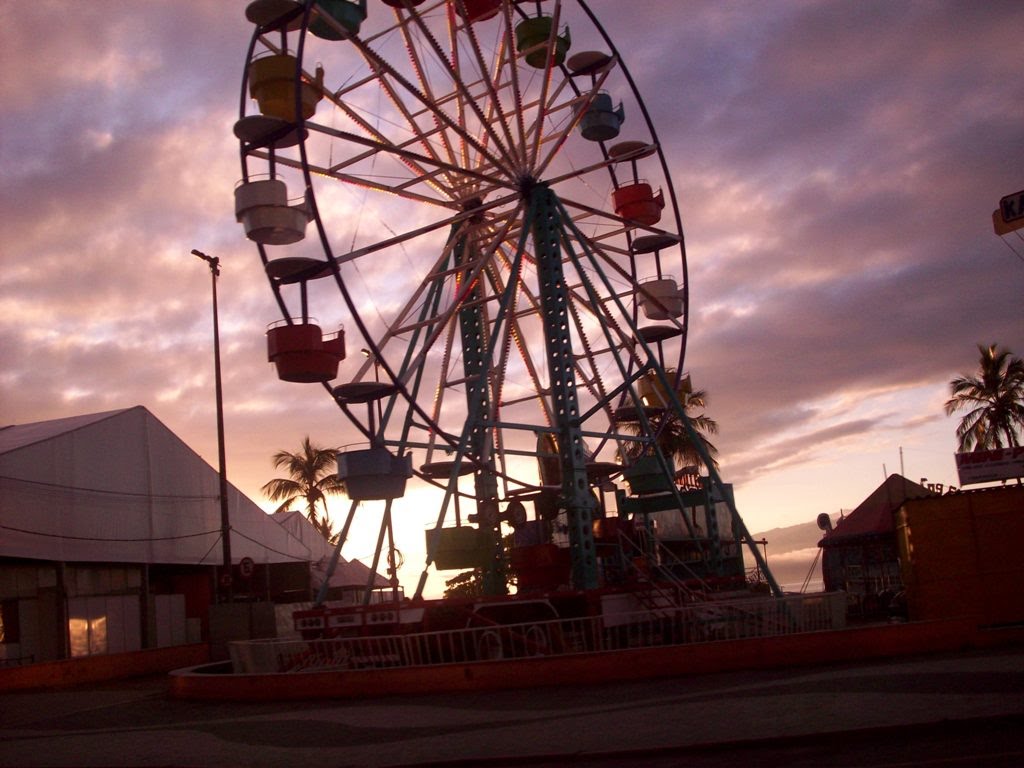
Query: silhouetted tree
pixel 465 584
pixel 312 476
pixel 994 400
pixel 673 438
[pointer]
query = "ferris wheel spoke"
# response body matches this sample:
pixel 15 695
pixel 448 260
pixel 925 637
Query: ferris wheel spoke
pixel 545 86
pixel 436 325
pixel 578 105
pixel 608 325
pixel 518 106
pixel 420 134
pixel 360 181
pixel 412 234
pixel 382 140
pixel 490 79
pixel 588 374
pixel 553 142
pixel 458 97
pixel 426 297
pixel 384 70
pixel 421 76
pixel 516 337
pixel 464 100
pixel 641 356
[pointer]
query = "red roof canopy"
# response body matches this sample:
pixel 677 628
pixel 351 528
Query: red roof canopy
pixel 874 515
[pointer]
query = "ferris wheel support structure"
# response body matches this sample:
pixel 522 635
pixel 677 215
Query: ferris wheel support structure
pixel 547 234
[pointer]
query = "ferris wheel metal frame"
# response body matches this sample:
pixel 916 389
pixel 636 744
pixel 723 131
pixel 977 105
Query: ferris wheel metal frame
pixel 478 132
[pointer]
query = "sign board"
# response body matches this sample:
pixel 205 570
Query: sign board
pixel 1012 207
pixel 246 567
pixel 986 466
pixel 1010 214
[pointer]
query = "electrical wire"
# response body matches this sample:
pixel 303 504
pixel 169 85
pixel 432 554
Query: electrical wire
pixel 269 549
pixel 1012 249
pixel 215 543
pixel 101 491
pixel 153 539
pixel 98 538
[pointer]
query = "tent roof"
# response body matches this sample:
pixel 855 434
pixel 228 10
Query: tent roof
pixel 16 436
pixel 874 515
pixel 120 487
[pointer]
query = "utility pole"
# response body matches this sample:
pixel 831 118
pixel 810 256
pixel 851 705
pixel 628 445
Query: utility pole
pixel 226 586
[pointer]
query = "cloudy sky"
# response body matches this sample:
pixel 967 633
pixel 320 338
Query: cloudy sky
pixel 837 165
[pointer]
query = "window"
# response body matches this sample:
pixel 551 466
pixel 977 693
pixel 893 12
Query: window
pixel 10 630
pixel 104 624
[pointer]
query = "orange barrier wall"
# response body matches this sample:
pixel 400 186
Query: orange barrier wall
pixel 960 555
pixel 769 652
pixel 91 669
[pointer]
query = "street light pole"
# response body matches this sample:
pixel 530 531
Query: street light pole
pixel 225 524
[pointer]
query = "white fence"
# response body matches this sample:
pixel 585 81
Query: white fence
pixel 700 622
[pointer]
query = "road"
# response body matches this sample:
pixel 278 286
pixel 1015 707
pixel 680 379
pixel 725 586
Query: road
pixel 950 710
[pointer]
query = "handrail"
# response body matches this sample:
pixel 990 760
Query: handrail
pixel 664 574
pixel 710 621
pixel 673 559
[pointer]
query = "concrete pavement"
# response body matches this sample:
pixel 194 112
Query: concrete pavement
pixel 653 722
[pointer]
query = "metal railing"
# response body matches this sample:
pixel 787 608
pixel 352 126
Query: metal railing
pixel 701 622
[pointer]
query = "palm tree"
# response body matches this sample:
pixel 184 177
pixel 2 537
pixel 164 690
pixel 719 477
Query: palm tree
pixel 672 436
pixel 994 400
pixel 312 475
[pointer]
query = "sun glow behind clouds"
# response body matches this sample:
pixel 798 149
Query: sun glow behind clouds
pixel 853 439
pixel 412 516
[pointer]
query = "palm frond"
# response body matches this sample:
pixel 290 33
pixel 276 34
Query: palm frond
pixel 671 436
pixel 993 399
pixel 312 476
pixel 281 488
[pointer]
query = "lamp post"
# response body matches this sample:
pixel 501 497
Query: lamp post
pixel 225 524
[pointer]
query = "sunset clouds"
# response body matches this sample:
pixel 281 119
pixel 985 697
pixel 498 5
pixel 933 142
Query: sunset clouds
pixel 836 165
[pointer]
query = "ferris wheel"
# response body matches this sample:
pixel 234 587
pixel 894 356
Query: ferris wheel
pixel 475 190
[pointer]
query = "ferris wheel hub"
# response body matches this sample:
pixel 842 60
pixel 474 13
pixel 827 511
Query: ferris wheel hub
pixel 528 183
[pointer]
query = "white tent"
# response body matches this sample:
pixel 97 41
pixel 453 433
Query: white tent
pixel 96 509
pixel 120 487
